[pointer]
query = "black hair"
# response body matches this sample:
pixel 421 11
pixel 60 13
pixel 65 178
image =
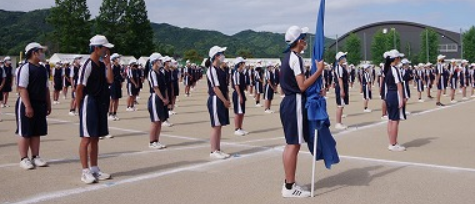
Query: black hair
pixel 92 47
pixel 29 54
pixel 387 64
pixel 208 63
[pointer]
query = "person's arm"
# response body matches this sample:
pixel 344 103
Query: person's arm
pixel 236 87
pixel 22 85
pixel 110 74
pixel 305 83
pixel 79 94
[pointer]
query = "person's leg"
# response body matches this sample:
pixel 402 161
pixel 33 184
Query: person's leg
pixel 383 108
pixel 158 130
pixel 214 139
pixel 83 152
pixel 116 106
pixel 111 106
pixel 236 122
pixel 339 112
pixel 439 93
pixel 289 158
pixel 266 104
pixel 23 146
pixel 366 104
pixel 94 151
pixel 65 91
pixel 393 131
pixel 241 120
pixel 5 97
pixel 153 132
pixel 35 146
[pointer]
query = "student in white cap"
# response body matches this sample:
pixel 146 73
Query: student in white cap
pixel 58 75
pixel 66 79
pixel 93 98
pixel 239 97
pixel 366 86
pixel 394 98
pixel 429 78
pixel 419 80
pixel 293 114
pixel 270 88
pixel 168 81
pixel 2 83
pixel 158 100
pixel 342 88
pixel 258 83
pixel 218 100
pixel 464 78
pixel 74 75
pixel 7 88
pixel 439 80
pixel 116 87
pixel 32 106
pixel 133 85
pixel 454 76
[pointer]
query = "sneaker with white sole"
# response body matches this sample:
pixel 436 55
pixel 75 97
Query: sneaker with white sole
pixel 217 155
pixel 167 124
pixel 268 111
pixel 116 118
pixel 344 116
pixel 453 101
pixel 3 106
pixel 258 105
pixel 340 126
pixel 239 133
pixel 26 164
pixel 155 145
pixel 39 162
pixel 464 98
pixel 367 111
pixel 101 176
pixel 421 101
pixel 72 113
pixel 87 177
pixel 111 118
pixel 295 192
pixel 396 148
pixel 226 155
pixel 245 132
pixel 109 136
pixel 384 117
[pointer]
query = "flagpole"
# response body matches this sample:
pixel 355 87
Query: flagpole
pixel 314 163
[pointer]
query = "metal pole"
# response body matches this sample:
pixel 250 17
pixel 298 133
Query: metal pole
pixel 364 37
pixel 461 44
pixel 394 36
pixel 337 43
pixel 427 44
pixel 310 54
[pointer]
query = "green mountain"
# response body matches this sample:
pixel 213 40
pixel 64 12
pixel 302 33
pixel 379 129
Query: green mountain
pixel 19 28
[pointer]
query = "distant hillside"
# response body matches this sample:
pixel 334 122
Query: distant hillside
pixel 19 28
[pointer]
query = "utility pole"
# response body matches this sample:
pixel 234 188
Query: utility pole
pixel 427 44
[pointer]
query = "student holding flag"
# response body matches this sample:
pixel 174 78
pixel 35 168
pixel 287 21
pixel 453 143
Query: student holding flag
pixel 292 108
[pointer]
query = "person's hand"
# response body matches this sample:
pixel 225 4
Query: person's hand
pixel 402 104
pixel 165 101
pixel 29 112
pixel 136 85
pixel 320 65
pixel 48 109
pixel 342 93
pixel 241 100
pixel 107 58
pixel 227 104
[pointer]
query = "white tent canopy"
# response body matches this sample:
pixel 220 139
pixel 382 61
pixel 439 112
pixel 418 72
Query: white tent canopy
pixel 65 57
pixel 264 61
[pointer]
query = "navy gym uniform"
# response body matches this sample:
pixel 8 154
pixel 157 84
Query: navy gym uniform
pixel 269 92
pixel 58 75
pixel 157 109
pixel 95 103
pixel 115 87
pixel 454 79
pixel 293 115
pixel 406 78
pixel 219 114
pixel 239 79
pixel 175 81
pixel 187 76
pixel 35 80
pixel 342 73
pixel 66 79
pixel 74 75
pixel 2 78
pixel 257 79
pixel 133 74
pixel 420 76
pixel 366 82
pixel 393 77
pixel 8 79
pixel 383 87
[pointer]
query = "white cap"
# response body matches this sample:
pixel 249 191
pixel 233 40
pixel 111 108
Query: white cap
pixel 115 55
pixel 405 61
pixel 366 66
pixel 215 50
pixel 239 60
pixel 132 61
pixel 340 55
pixel 100 40
pixel 472 65
pixel 33 45
pixel 187 61
pixel 166 59
pixel 394 54
pixel 428 64
pixel 7 58
pixel 464 61
pixel 293 34
pixel 155 56
pixel 441 57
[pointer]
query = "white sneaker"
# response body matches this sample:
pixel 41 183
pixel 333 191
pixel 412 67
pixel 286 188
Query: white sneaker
pixel 464 98
pixel 243 131
pixel 138 97
pixel 109 136
pixel 87 177
pixel 295 192
pixel 239 133
pixel 268 111
pixel 38 162
pixel 226 155
pixel 3 106
pixel 101 176
pixel 396 148
pixel 129 109
pixel 157 145
pixel 167 124
pixel 453 101
pixel 72 113
pixel 116 118
pixel 340 126
pixel 217 155
pixel 473 96
pixel 101 138
pixel 384 117
pixel 344 116
pixel 171 113
pixel 282 96
pixel 408 113
pixel 368 111
pixel 26 164
pixel 258 105
pixel 111 118
pixel 421 101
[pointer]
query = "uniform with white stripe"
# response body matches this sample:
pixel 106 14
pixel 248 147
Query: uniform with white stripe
pixel 393 99
pixel 157 109
pixel 218 112
pixel 239 79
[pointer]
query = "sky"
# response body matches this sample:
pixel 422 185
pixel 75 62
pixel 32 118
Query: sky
pixel 342 16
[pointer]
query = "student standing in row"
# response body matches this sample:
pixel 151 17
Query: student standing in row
pixel 239 97
pixel 218 101
pixel 464 78
pixel 158 101
pixel 2 83
pixel 419 80
pixel 168 81
pixel 270 88
pixel 187 78
pixel 382 91
pixel 115 87
pixel 258 85
pixel 133 87
pixel 58 75
pixel 293 114
pixel 66 79
pixel 341 88
pixel 73 76
pixel 7 88
pixel 366 87
pixel 32 106
pixel 440 81
pixel 93 98
pixel 453 70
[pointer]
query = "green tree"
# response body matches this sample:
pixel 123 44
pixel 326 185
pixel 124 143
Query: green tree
pixel 165 49
pixel 469 44
pixel 193 56
pixel 390 44
pixel 431 37
pixel 329 55
pixel 245 53
pixel 111 21
pixel 378 46
pixel 139 35
pixel 353 47
pixel 72 29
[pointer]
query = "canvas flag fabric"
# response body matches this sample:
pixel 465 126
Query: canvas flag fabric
pixel 316 105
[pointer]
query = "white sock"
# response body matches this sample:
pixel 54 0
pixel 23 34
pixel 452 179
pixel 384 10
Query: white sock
pixel 85 170
pixel 95 169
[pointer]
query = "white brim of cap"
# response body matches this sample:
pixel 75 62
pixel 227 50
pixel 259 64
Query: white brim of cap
pixel 108 45
pixel 305 30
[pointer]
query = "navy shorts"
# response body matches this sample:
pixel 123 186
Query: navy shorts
pixel 392 102
pixel 157 110
pixel 29 127
pixel 269 93
pixel 342 102
pixel 132 90
pixel 115 91
pixel 7 88
pixel 453 83
pixel 258 87
pixel 293 117
pixel 93 117
pixel 218 113
pixel 66 83
pixel 239 108
pixel 420 86
pixel 176 88
pixel 367 93
pixel 58 84
pixel 406 89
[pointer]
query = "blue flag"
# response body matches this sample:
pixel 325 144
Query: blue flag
pixel 316 104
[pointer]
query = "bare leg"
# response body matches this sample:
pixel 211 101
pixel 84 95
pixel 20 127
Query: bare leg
pixel 289 158
pixel 339 113
pixel 83 151
pixel 23 146
pixel 215 138
pixel 94 151
pixel 35 146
